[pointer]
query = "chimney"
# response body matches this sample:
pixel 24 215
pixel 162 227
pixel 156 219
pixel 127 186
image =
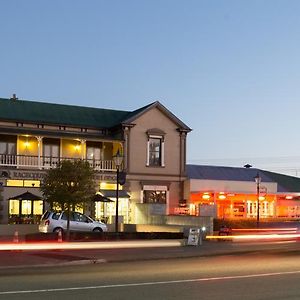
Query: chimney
pixel 14 97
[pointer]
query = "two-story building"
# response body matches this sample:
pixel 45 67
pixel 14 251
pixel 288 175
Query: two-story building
pixel 35 136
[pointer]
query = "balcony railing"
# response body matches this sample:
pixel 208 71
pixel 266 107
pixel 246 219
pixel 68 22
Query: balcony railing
pixel 48 162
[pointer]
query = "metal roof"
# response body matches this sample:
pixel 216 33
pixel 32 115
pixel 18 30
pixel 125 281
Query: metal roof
pixel 49 113
pixel 16 110
pixel 285 183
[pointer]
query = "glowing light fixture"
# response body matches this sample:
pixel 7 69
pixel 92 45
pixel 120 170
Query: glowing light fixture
pixel 222 196
pixel 288 197
pixel 206 196
pixel 77 147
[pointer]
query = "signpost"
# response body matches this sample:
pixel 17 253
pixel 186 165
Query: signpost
pixel 195 238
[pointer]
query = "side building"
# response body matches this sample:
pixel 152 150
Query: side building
pixel 236 193
pixel 35 136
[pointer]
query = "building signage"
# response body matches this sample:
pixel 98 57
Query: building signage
pixel 28 175
pixel 155 188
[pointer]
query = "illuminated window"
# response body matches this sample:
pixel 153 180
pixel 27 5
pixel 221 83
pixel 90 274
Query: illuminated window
pixel 38 207
pixel 11 182
pixel 14 207
pixel 26 207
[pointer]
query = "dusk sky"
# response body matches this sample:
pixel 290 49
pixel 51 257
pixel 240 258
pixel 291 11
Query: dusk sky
pixel 228 69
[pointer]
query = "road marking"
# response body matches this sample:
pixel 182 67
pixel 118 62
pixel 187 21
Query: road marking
pixel 149 283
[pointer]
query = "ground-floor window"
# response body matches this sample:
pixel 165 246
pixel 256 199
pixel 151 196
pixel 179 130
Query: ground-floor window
pixel 106 211
pixel 25 211
pixel 266 209
pixel 155 197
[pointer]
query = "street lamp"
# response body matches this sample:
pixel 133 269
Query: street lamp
pixel 118 159
pixel 258 181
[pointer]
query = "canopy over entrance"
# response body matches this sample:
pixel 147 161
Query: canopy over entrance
pixel 113 193
pixel 100 198
pixel 26 196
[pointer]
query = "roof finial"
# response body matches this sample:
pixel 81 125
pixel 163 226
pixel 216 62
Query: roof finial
pixel 247 166
pixel 14 97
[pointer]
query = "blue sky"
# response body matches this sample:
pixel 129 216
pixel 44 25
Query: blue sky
pixel 228 69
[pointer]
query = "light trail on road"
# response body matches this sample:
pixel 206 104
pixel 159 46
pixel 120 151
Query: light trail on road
pixel 89 245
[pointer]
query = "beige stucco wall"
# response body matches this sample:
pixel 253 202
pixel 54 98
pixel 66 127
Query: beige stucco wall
pixel 197 185
pixel 138 144
pixel 139 172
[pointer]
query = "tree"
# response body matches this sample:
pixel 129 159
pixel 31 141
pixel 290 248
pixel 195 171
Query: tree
pixel 69 185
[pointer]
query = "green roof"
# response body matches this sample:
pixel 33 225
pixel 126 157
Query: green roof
pixel 48 113
pixel 25 111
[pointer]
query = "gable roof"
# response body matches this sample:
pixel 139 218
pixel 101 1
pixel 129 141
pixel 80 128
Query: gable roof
pixel 285 183
pixel 137 113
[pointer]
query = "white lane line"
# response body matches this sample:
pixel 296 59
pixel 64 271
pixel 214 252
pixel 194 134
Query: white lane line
pixel 149 283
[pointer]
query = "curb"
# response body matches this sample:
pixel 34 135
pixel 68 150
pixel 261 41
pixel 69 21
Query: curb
pixel 56 264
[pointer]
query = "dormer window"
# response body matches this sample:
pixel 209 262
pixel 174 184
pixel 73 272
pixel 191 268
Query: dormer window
pixel 155 148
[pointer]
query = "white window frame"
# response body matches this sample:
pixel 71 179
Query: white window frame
pixel 162 164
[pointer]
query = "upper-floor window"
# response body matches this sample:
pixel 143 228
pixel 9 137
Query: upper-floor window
pixel 7 145
pixel 51 147
pixel 155 148
pixel 155 151
pixel 93 150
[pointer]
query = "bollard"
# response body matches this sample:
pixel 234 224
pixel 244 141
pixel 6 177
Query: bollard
pixel 59 236
pixel 16 237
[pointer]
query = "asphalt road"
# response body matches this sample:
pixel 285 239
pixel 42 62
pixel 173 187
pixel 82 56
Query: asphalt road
pixel 271 275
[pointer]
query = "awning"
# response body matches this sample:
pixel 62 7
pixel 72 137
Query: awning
pixel 100 198
pixel 26 196
pixel 112 193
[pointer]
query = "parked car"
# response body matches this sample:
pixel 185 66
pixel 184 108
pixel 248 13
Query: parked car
pixel 224 230
pixel 57 222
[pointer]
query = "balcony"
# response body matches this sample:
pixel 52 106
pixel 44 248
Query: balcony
pixel 48 162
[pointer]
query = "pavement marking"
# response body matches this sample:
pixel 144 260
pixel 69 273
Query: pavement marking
pixel 149 283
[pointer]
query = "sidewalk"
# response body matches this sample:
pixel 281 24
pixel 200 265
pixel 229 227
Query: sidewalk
pixel 128 251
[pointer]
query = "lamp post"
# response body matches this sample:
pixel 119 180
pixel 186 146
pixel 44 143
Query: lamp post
pixel 118 159
pixel 258 181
